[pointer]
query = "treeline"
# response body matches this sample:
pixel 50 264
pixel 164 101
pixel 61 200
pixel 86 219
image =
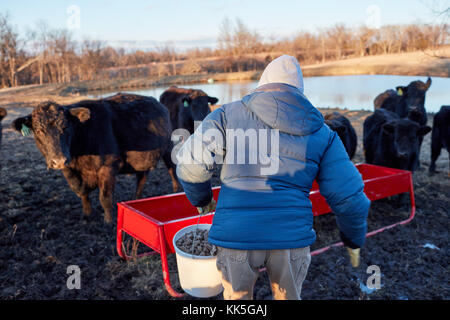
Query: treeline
pixel 45 55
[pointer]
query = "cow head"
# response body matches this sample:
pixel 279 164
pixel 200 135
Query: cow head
pixel 197 104
pixel 415 114
pixel 403 135
pixel 414 94
pixel 336 126
pixel 53 128
pixel 2 113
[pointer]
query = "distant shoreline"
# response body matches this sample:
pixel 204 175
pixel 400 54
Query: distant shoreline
pixel 430 63
pixel 433 63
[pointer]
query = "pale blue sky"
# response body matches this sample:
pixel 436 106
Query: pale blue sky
pixel 198 20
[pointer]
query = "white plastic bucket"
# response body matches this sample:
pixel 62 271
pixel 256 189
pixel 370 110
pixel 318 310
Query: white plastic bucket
pixel 198 275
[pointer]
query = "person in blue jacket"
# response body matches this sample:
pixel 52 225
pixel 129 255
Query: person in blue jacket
pixel 272 145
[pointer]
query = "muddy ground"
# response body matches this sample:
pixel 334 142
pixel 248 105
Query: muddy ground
pixel 43 231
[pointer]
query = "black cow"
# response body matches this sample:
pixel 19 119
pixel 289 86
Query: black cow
pixel 2 115
pixel 93 140
pixel 392 141
pixel 404 99
pixel 408 102
pixel 337 122
pixel 186 106
pixel 440 136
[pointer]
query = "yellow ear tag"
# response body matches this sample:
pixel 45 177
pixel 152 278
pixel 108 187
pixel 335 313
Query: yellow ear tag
pixel 399 91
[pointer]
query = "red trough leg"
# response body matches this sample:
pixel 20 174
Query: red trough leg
pixel 119 245
pixel 374 232
pixel 164 263
pixel 165 267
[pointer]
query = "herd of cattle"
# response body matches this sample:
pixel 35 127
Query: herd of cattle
pixel 94 140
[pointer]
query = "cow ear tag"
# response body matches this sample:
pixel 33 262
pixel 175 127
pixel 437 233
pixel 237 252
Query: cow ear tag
pixel 25 130
pixel 186 104
pixel 399 91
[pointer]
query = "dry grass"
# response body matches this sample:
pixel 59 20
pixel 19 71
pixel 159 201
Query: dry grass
pixel 419 63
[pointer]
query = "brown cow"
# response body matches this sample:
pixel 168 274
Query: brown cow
pixel 93 140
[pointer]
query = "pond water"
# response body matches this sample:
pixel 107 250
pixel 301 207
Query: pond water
pixel 355 92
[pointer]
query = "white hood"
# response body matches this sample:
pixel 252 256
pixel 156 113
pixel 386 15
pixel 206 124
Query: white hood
pixel 284 69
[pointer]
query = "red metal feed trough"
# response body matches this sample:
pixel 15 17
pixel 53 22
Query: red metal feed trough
pixel 154 221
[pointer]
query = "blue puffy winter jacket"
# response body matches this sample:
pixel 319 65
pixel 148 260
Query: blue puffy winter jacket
pixel 273 145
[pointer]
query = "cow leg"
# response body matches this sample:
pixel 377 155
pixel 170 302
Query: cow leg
pixel 141 178
pixel 435 149
pixel 87 209
pixel 167 158
pixel 417 162
pixel 106 180
pixel 446 142
pixel 434 155
pixel 448 150
pixel 79 187
pixel 175 184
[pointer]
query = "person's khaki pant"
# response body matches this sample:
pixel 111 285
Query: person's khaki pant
pixel 240 268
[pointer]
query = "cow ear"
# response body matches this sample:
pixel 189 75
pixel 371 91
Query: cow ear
pixel 388 128
pixel 428 83
pixel 212 100
pixel 401 90
pixel 3 113
pixel 53 107
pixel 83 114
pixel 423 130
pixel 23 125
pixel 186 101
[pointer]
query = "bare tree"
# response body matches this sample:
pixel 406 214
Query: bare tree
pixel 91 58
pixel 191 67
pixel 225 38
pixel 340 37
pixel 323 48
pixel 168 53
pixel 244 40
pixel 364 37
pixel 38 39
pixel 8 51
pixel 61 49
